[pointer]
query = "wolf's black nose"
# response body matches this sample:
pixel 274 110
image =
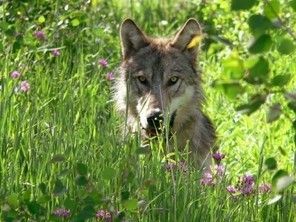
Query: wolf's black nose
pixel 155 120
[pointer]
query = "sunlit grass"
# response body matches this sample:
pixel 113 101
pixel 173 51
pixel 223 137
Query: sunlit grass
pixel 63 146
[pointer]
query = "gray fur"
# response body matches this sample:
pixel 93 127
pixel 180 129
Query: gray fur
pixel 145 85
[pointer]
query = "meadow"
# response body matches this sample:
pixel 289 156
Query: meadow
pixel 64 155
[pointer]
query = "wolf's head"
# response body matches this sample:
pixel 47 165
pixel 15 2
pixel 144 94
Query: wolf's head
pixel 158 81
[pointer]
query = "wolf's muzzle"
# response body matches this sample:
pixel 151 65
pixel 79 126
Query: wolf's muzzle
pixel 155 120
pixel 172 119
pixel 156 123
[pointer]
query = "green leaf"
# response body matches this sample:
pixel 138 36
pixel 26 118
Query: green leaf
pixel 13 201
pixel 234 67
pixel 251 61
pixel 70 204
pixel 89 200
pixel 281 80
pixel 9 215
pixel 284 182
pixel 292 106
pixel 108 173
pixel 59 188
pixel 231 90
pixel 262 44
pixel 41 19
pixel 259 24
pixel 4 25
pixel 10 31
pixel 270 163
pixel 242 5
pixel 18 43
pixel 125 195
pixel 64 172
pixel 272 9
pixel 86 213
pixel 293 4
pixel 75 22
pixel 281 180
pixel 26 196
pixel 81 169
pixel 57 158
pixel 131 204
pixel 42 188
pixel 44 199
pixel 275 199
pixel 274 112
pixel 286 46
pixel 282 151
pixel 35 208
pixel 258 74
pixel 92 199
pixel 81 180
pixel 253 105
pixel 278 174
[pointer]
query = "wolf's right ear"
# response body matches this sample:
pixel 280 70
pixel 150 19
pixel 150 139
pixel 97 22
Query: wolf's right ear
pixel 189 38
pixel 132 38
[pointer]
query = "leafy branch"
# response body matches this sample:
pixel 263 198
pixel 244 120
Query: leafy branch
pixel 280 20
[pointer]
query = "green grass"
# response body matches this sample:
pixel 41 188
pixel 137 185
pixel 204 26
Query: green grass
pixel 62 143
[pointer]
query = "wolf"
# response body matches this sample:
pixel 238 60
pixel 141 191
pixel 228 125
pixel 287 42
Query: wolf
pixel 158 82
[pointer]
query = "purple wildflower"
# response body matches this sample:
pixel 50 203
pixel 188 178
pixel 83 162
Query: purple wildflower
pixel 265 188
pixel 220 170
pixel 248 179
pixel 183 166
pixel 55 52
pixel 247 190
pixel 169 166
pixel 103 63
pixel 40 35
pixel 173 166
pixel 218 157
pixel 247 184
pixel 207 179
pixel 231 189
pixel 24 86
pixel 110 76
pixel 104 215
pixel 62 212
pixel 15 74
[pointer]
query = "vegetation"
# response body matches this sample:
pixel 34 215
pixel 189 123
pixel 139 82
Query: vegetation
pixel 63 155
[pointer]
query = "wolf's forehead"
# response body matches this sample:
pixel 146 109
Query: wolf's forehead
pixel 153 60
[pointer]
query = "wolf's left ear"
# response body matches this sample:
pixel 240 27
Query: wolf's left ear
pixel 132 38
pixel 189 37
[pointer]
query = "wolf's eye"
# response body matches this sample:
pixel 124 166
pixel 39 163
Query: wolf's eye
pixel 173 80
pixel 142 79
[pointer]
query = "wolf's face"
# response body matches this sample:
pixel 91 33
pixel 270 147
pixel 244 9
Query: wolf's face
pixel 159 81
